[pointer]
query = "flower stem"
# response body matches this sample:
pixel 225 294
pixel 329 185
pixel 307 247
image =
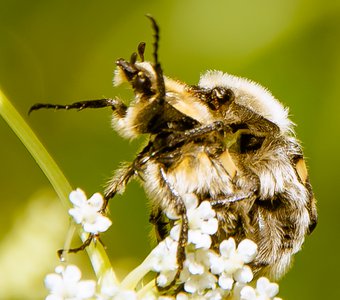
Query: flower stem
pixel 97 254
pixel 151 286
pixel 137 274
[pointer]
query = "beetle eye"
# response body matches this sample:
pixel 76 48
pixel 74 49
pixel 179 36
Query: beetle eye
pixel 250 142
pixel 223 95
pixel 219 96
pixel 142 83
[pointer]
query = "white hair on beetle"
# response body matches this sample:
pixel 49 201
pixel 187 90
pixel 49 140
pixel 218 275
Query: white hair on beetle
pixel 251 95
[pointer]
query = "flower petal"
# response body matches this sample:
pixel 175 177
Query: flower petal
pixel 194 266
pixel 266 288
pixel 76 214
pixel 216 263
pixel 191 285
pixel 71 274
pixel 225 282
pixel 78 197
pixel 244 275
pixel 175 232
pixel 96 201
pixel 205 210
pixel 53 282
pixel 86 289
pixel 248 293
pixel 103 223
pixel 247 249
pixel 199 239
pixel 210 226
pixel 190 201
pixel 228 247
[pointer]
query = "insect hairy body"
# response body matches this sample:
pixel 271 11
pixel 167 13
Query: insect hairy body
pixel 276 207
pixel 226 140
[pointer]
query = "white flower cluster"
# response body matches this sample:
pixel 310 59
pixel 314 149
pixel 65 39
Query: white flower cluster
pixel 65 284
pixel 264 290
pixel 206 274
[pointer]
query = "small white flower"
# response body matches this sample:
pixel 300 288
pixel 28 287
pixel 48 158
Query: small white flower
pixel 226 281
pixel 199 283
pixel 202 224
pixel 197 262
pixel 248 293
pixel 230 264
pixel 232 259
pixel 164 256
pixel 195 274
pixel 201 220
pixel 265 290
pixel 199 239
pixel 164 261
pixel 86 212
pixel 244 275
pixel 65 284
pixel 247 250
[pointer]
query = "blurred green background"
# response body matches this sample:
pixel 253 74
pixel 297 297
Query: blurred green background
pixel 64 51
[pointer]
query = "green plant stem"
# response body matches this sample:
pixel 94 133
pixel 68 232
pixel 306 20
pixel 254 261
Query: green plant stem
pixel 151 286
pixel 137 274
pixel 97 254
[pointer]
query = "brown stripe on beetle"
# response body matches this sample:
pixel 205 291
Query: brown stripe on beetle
pixel 301 169
pixel 228 163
